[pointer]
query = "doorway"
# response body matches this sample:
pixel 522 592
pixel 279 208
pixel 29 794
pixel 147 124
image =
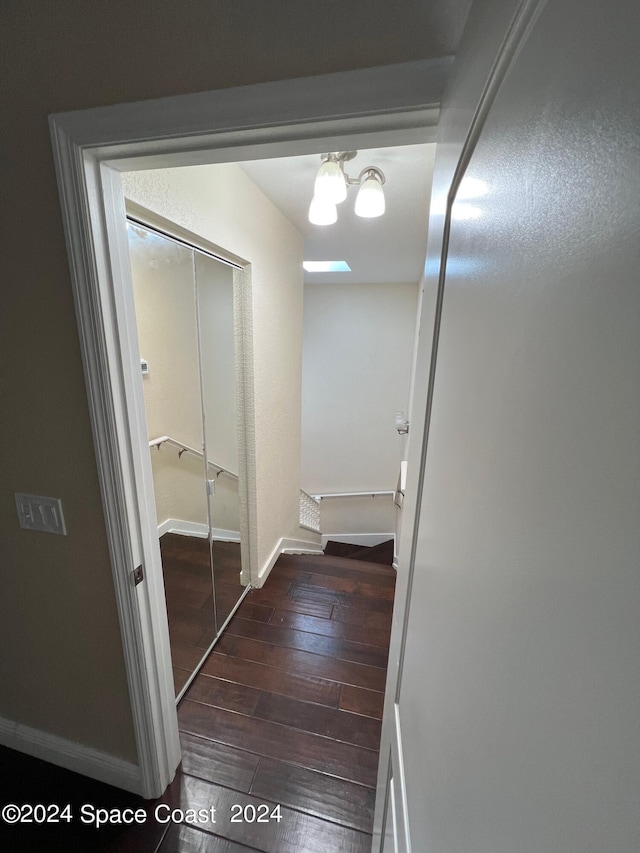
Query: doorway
pixel 394 105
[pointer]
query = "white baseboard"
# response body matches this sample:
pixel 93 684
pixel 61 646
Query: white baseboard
pixel 299 546
pixel 286 546
pixel 70 755
pixel 364 539
pixel 193 528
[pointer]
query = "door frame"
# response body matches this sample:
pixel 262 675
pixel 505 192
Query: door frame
pixel 387 105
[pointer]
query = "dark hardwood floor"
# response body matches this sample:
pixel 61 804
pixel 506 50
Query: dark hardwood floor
pixel 193 621
pixel 285 712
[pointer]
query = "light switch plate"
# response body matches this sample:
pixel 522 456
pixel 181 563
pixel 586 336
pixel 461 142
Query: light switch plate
pixel 39 513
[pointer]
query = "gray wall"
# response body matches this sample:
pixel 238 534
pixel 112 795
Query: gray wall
pixel 520 695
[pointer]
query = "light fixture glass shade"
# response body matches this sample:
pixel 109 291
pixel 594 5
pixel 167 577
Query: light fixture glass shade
pixel 322 212
pixel 330 185
pixel 370 198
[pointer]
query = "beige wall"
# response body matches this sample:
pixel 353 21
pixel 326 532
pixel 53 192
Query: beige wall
pixel 358 344
pixel 357 350
pixel 61 663
pixel 216 312
pixel 217 325
pixel 166 318
pixel 164 293
pixel 221 204
pixel 369 515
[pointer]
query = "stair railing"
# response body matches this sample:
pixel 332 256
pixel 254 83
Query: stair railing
pixel 309 506
pixel 309 512
pixel 372 494
pixel 185 448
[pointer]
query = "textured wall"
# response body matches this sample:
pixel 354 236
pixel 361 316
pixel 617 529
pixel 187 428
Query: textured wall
pixel 521 683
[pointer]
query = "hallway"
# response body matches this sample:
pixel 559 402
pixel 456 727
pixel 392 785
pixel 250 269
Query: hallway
pixel 286 711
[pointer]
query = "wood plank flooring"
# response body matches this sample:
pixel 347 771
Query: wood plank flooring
pixel 189 595
pixel 286 711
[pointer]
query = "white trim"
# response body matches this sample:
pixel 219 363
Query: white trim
pixel 245 409
pixel 284 117
pixel 286 546
pixel 300 546
pixel 399 789
pixel 366 540
pixel 157 731
pixel 379 494
pixel 71 755
pixel 394 819
pixel 193 528
pixel 141 609
pixel 364 108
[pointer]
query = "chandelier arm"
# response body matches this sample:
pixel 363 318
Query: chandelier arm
pixel 377 172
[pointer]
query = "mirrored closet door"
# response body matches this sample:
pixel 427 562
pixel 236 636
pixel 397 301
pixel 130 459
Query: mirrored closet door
pixel 185 320
pixel 215 308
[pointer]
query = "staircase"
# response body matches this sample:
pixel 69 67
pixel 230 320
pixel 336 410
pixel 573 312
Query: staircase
pixel 381 553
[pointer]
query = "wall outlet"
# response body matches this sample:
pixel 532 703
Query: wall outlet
pixel 38 513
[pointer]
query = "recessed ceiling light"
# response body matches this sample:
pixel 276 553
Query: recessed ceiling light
pixel 326 266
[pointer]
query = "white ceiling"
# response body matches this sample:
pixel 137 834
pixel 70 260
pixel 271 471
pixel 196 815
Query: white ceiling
pixel 389 249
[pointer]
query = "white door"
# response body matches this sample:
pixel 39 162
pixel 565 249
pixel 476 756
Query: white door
pixel 512 720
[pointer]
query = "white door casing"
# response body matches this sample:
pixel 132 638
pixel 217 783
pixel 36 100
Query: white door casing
pixel 389 105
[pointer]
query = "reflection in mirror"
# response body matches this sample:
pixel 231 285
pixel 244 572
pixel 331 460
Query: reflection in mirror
pixel 215 307
pixel 185 320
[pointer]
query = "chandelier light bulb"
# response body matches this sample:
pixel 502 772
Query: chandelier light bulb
pixel 322 212
pixel 370 199
pixel 330 186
